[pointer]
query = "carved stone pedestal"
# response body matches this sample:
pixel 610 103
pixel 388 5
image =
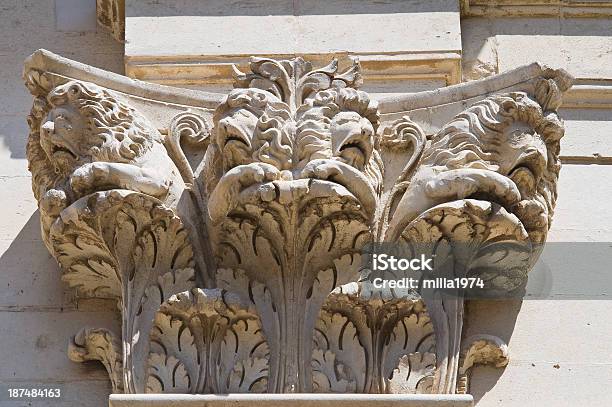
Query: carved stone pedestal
pixel 291 400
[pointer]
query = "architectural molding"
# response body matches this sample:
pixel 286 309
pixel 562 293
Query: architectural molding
pixel 202 71
pixel 235 232
pixel 537 8
pixel 589 94
pixel 416 49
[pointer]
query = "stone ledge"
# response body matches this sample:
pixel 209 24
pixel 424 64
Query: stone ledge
pixel 206 71
pixel 291 400
pixel 586 95
pixel 536 8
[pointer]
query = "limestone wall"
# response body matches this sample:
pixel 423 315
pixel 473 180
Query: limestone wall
pixel 559 349
pixel 558 352
pixel 36 318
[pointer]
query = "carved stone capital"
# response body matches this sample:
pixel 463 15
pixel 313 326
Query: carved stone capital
pixel 234 231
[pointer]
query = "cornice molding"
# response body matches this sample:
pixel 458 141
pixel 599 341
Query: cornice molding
pixel 297 400
pixel 589 94
pixel 217 70
pixel 536 8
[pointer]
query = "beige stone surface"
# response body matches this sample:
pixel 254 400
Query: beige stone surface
pixel 187 43
pixel 293 34
pixel 286 186
pixel 34 312
pixel 587 136
pixel 583 189
pixel 564 333
pixel 550 364
pixel 586 56
pixel 32 281
pixel 21 208
pixel 43 337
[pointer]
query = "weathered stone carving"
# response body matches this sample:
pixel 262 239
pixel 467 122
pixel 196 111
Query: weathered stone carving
pixel 207 341
pixel 236 241
pixel 480 350
pixel 394 342
pixel 84 139
pixel 504 149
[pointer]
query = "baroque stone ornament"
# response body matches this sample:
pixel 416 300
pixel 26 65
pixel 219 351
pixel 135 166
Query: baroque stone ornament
pixel 235 232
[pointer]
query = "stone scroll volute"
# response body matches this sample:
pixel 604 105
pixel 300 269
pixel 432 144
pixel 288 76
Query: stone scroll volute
pixel 235 238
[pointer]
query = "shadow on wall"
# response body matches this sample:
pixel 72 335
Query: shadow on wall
pixel 37 321
pixel 14 135
pixel 479 37
pixel 494 317
pixel 29 276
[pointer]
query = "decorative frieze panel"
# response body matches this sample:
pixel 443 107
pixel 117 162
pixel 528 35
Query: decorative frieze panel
pixel 237 242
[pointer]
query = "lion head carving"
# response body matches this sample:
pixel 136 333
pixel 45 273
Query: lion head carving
pixel 253 125
pixel 86 123
pixel 85 139
pixel 331 137
pixel 341 124
pixel 503 149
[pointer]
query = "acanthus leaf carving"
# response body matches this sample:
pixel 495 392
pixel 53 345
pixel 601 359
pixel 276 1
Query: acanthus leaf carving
pixel 392 329
pixel 236 242
pixel 129 247
pixel 101 345
pixel 171 340
pixel 480 350
pixel 215 340
pixel 292 81
pixel 336 343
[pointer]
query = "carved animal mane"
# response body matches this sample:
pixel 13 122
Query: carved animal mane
pixel 115 132
pixel 270 140
pixel 468 141
pixel 313 133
